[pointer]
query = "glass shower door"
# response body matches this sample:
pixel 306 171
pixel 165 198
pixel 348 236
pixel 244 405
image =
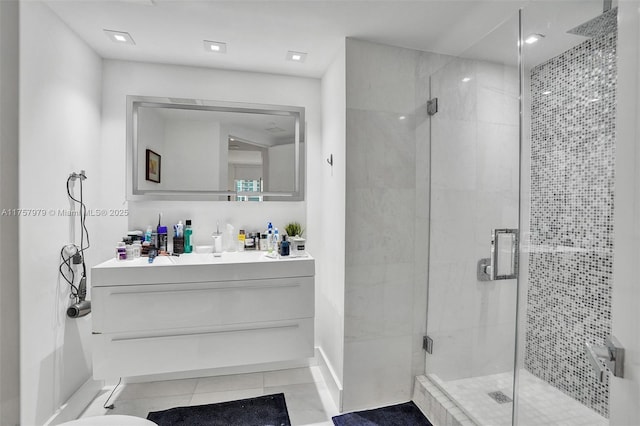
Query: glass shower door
pixel 475 191
pixel 566 274
pixel 525 143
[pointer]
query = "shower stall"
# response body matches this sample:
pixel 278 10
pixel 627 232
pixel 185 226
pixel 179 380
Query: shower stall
pixel 521 219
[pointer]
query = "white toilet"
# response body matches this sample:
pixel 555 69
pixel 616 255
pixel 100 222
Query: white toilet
pixel 115 420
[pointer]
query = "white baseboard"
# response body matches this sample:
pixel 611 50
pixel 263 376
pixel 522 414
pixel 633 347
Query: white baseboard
pixel 254 368
pixel 330 378
pixel 73 408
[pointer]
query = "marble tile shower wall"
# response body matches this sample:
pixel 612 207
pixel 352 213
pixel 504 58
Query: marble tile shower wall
pixel 385 286
pixel 474 190
pixel 572 178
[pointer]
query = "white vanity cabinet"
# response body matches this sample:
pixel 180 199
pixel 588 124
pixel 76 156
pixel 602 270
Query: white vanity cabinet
pixel 198 312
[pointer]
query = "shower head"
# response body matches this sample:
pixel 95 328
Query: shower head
pixel 600 25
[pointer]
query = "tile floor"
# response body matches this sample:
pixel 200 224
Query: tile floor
pixel 308 399
pixel 540 403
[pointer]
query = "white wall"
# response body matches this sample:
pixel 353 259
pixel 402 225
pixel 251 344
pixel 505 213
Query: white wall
pixel 60 100
pixel 625 392
pixel 9 313
pixel 329 204
pixel 123 78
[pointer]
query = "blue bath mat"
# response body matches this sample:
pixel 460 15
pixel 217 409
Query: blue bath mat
pixel 267 410
pixel 406 414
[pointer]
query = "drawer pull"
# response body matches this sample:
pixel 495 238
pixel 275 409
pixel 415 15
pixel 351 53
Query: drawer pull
pixel 236 287
pixel 171 336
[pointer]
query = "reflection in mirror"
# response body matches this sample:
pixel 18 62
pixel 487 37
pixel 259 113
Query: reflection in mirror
pixel 218 151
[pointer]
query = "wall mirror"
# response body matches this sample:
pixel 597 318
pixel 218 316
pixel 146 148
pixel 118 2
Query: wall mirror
pixel 189 149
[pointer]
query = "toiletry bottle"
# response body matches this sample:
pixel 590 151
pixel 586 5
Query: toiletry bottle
pixel 276 241
pixel 154 239
pixel 188 237
pixel 241 239
pixel 162 238
pixel 147 235
pixel 250 241
pixel 269 238
pixel 263 242
pixel 153 252
pixel 230 239
pixel 137 249
pixel 121 251
pixel 284 246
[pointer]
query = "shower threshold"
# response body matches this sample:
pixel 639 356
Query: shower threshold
pixel 539 402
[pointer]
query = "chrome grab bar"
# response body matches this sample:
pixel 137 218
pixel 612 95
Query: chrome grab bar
pixel 490 269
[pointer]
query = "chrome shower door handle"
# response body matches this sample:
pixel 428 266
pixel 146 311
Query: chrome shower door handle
pixel 504 254
pixel 503 263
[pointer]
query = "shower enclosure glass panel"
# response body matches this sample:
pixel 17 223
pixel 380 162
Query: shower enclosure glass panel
pixel 524 142
pixel 474 191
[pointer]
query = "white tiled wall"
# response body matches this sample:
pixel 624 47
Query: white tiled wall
pixel 474 148
pixel 386 222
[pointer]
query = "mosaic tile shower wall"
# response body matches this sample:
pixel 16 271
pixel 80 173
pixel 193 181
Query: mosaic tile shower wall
pixel 572 177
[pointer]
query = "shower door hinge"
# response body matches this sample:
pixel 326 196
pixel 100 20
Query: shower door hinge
pixel 427 344
pixel 432 106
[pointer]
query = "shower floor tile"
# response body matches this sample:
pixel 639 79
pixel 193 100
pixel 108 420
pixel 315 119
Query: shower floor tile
pixel 539 402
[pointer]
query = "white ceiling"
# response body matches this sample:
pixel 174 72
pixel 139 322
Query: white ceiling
pixel 259 33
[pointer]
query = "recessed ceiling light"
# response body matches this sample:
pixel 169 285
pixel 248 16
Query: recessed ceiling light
pixel 533 38
pixel 546 92
pixel 296 56
pixel 464 80
pixel 215 46
pixel 119 37
pixel 402 117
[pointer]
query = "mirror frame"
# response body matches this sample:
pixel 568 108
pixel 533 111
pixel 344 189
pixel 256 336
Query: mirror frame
pixel 134 193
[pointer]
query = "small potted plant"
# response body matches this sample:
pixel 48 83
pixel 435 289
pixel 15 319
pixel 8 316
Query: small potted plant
pixel 295 231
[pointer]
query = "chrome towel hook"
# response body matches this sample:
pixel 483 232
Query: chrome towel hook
pixel 330 160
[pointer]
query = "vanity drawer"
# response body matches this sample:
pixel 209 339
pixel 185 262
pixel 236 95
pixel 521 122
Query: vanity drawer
pixel 135 354
pixel 174 306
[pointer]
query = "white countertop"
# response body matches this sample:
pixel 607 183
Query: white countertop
pixel 198 267
pixel 202 259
